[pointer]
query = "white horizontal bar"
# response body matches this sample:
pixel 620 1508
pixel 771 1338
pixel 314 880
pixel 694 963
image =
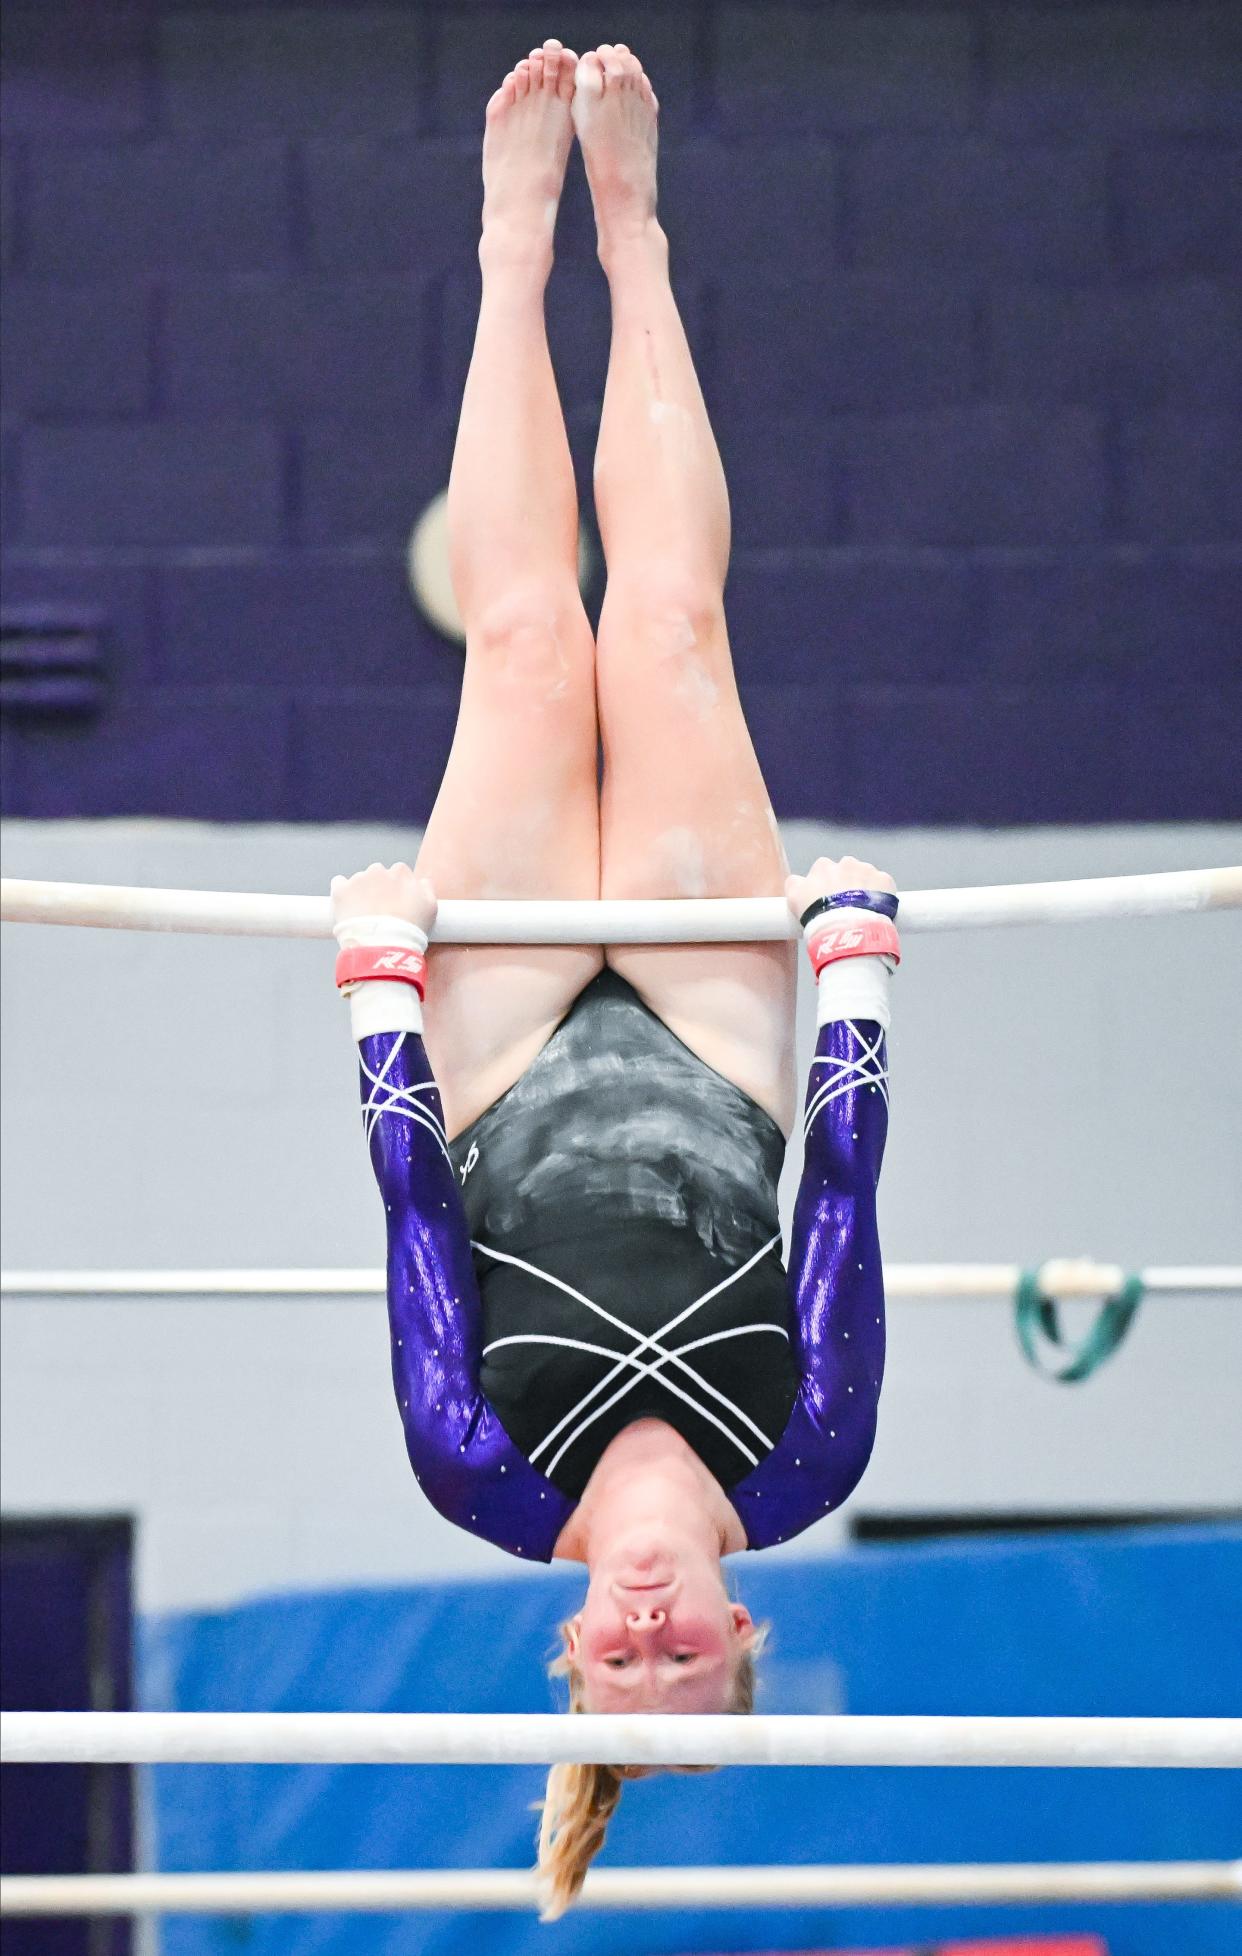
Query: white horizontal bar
pixel 616 921
pixel 1063 1278
pixel 356 1891
pixel 534 1738
pixel 192 1283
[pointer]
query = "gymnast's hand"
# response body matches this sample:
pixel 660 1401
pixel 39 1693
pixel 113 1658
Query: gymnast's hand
pixel 380 892
pixel 826 877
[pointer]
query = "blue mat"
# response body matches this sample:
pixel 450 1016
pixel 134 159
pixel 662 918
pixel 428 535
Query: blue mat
pixel 1139 1622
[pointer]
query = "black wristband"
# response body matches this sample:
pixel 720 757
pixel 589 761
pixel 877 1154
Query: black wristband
pixel 881 902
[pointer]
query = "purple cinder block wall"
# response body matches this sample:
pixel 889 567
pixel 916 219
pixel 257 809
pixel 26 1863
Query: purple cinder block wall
pixel 964 284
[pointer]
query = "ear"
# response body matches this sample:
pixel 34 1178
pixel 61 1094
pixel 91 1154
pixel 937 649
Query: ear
pixel 573 1635
pixel 743 1624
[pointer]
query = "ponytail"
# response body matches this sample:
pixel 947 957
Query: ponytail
pixel 581 1800
pixel 579 1803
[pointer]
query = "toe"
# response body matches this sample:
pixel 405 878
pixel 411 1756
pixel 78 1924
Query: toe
pixel 566 72
pixel 504 97
pixel 589 76
pixel 521 79
pixel 535 63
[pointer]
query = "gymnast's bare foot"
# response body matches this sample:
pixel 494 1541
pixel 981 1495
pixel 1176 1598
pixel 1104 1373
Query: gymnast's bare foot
pixel 616 114
pixel 526 146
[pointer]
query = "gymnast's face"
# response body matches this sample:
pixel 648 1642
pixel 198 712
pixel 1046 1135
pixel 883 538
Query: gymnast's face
pixel 658 1633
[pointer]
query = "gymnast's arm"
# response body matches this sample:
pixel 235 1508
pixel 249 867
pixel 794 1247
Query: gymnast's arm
pixel 462 1457
pixel 836 1284
pixel 835 1276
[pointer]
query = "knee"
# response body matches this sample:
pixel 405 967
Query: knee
pixel 673 610
pixel 673 622
pixel 535 637
pixel 673 631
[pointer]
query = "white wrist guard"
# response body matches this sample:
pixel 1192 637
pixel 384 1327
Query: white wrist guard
pixel 855 988
pixel 377 1005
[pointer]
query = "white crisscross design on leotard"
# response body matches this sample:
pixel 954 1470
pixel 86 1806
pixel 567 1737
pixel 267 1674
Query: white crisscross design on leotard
pixel 387 1097
pixel 577 1419
pixel 865 1068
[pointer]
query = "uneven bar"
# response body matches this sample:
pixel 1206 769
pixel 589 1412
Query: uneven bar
pixel 543 1738
pixel 1062 1278
pixel 357 1891
pixel 718 920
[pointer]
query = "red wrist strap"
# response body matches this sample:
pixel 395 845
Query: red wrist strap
pixel 374 961
pixel 865 936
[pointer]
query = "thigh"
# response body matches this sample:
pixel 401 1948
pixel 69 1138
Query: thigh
pixel 685 813
pixel 517 815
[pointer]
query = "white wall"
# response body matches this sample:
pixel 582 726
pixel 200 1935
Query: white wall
pixel 189 1101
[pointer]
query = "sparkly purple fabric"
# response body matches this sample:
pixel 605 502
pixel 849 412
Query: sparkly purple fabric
pixel 463 1458
pixel 836 1292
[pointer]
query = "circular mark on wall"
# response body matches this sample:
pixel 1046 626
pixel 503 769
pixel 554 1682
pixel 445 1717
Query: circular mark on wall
pixel 427 564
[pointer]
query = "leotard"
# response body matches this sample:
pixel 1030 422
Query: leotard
pixel 603 1245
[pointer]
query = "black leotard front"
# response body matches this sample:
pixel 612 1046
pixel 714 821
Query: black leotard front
pixel 653 1248
pixel 621 1199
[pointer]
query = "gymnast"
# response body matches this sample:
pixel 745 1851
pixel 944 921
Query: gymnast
pixel 597 1353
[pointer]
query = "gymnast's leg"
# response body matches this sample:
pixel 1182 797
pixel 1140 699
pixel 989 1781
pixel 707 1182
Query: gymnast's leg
pixel 684 808
pixel 517 813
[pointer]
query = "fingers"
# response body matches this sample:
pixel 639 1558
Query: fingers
pixel 854 874
pixel 828 875
pixel 380 891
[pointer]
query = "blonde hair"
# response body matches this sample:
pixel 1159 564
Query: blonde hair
pixel 581 1800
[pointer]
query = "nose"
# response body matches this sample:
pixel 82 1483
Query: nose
pixel 644 1618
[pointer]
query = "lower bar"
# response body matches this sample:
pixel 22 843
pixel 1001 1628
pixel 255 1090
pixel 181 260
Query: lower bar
pixel 944 1280
pixel 651 1739
pixel 359 1891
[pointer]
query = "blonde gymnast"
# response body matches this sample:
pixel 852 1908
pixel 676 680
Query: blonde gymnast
pixel 598 1353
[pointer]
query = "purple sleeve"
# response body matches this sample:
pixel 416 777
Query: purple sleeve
pixel 836 1293
pixel 462 1457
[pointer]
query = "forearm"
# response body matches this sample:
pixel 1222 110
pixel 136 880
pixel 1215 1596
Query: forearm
pixel 835 1268
pixel 433 1301
pixel 836 1286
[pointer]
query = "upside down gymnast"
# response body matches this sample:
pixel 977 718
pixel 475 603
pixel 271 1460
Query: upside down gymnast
pixel 597 1352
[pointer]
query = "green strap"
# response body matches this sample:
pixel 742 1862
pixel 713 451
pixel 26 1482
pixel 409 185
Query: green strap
pixel 1038 1323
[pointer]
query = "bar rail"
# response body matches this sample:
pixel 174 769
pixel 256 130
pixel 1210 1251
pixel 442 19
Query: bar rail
pixel 356 1891
pixel 542 1738
pixel 1059 1278
pixel 617 921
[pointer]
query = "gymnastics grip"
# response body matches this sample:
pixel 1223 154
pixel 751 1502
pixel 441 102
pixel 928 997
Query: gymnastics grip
pixel 852 941
pixel 361 962
pixel 859 936
pixel 381 967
